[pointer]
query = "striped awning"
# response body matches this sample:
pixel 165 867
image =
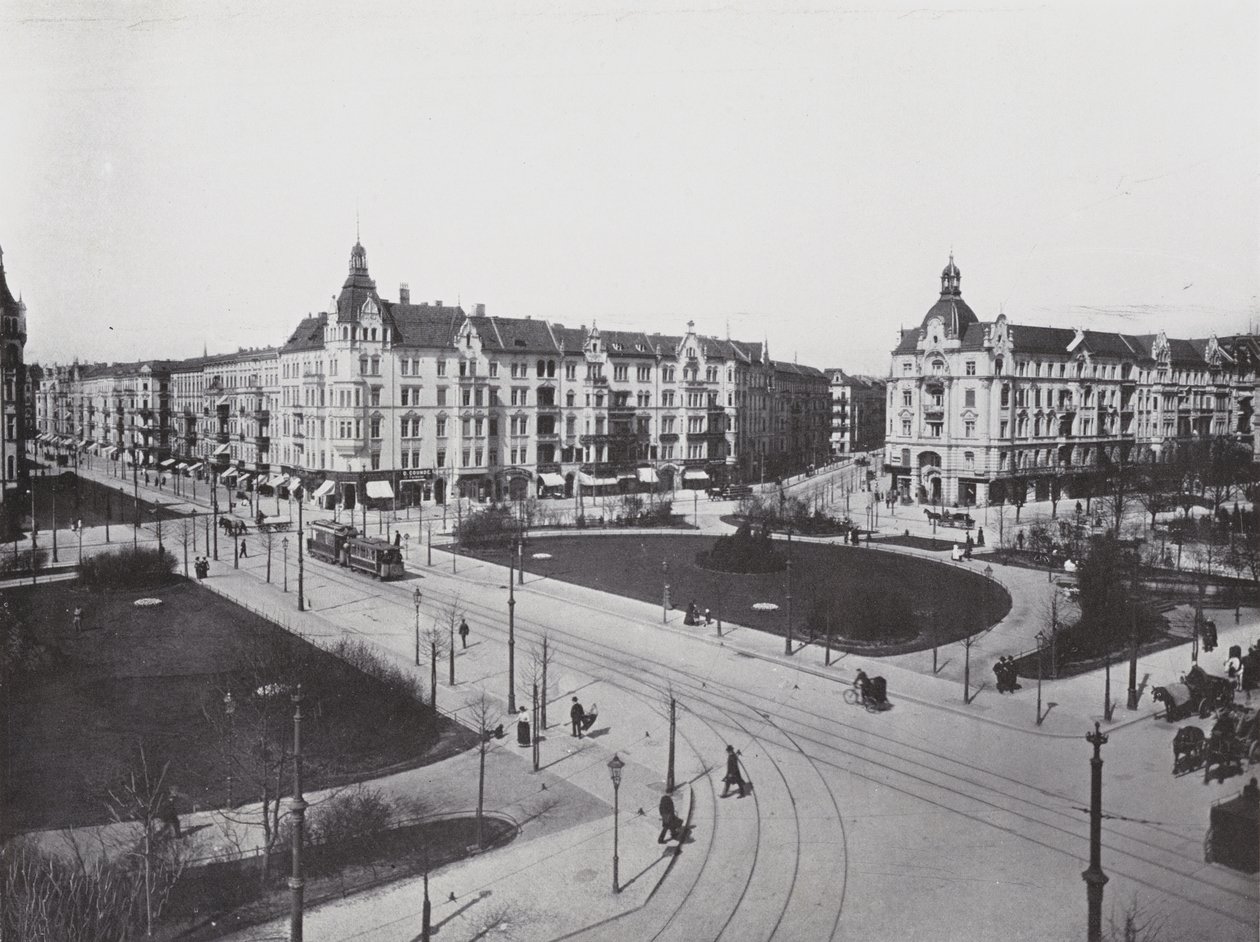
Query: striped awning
pixel 379 489
pixel 223 449
pixel 277 480
pixel 551 479
pixel 227 476
pixel 647 475
pixel 167 463
pixel 243 480
pixel 194 467
pixel 323 489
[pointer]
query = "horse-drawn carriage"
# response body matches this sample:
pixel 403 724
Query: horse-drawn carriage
pixel 1233 742
pixel 962 521
pixel 1198 691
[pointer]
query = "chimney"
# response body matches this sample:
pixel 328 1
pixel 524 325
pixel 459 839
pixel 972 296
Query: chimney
pixel 404 293
pixel 437 303
pixel 479 310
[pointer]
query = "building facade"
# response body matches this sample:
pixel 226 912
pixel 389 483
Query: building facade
pixel 395 401
pixel 976 409
pixel 14 474
pixel 858 412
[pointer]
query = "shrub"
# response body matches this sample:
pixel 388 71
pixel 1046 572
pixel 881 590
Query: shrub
pixel 127 569
pixel 746 550
pixel 360 656
pixel 870 616
pixel 357 813
pixel 492 528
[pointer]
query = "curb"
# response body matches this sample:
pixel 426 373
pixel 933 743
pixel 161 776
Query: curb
pixel 691 807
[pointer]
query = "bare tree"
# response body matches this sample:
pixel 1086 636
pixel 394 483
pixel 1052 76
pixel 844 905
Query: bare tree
pixel 143 802
pixel 541 655
pixel 1151 487
pixel 483 714
pixel 186 533
pixel 1116 494
pixel 1051 619
pixel 435 636
pixel 268 537
pixel 447 617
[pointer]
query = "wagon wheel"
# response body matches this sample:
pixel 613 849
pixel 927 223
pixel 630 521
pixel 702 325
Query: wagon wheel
pixel 1253 754
pixel 850 696
pixel 1205 706
pixel 1207 847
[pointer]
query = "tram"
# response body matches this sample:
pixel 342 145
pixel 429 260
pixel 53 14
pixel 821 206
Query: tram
pixel 376 557
pixel 327 540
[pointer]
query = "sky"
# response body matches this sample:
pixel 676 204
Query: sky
pixel 178 175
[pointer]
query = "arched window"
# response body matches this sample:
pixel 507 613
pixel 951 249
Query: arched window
pixel 568 398
pixel 542 368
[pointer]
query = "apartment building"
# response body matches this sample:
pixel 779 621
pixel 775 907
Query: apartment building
pixel 410 402
pixel 976 409
pixel 14 478
pixel 858 412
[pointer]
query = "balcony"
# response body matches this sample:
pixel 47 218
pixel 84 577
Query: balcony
pixel 934 412
pixel 262 415
pixel 221 437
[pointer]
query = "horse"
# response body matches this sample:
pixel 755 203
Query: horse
pixel 1187 749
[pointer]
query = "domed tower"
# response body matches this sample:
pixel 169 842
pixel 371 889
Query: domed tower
pixel 949 317
pixel 357 288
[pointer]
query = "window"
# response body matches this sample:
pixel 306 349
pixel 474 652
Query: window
pixel 466 397
pixel 620 372
pixel 934 429
pixel 969 428
pixel 465 427
pixel 569 398
pixel 907 397
pixel 905 427
pixel 441 428
pixel 441 396
pixel 405 462
pixel 494 369
pixel 667 374
pixel 969 459
pixel 644 374
pixel 376 461
pixel 907 368
pixel 441 367
pixel 570 371
pixel 1003 427
pixel 971 367
pixel 479 427
pixel 969 398
pixel 376 395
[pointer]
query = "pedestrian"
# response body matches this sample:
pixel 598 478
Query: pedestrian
pixel 968 546
pixel 979 536
pixel 1234 667
pixel 78 619
pixel 522 727
pixel 1019 541
pixel 463 632
pixel 397 539
pixel 999 671
pixel 243 553
pixel 669 820
pixel 167 813
pixel 733 775
pixel 576 716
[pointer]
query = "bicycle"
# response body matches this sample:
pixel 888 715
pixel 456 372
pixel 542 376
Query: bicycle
pixel 855 697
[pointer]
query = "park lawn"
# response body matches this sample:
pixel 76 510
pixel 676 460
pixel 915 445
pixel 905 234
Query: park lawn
pixel 958 601
pixel 156 675
pixel 91 502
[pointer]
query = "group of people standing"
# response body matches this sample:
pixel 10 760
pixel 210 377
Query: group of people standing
pixel 201 566
pixel 1007 677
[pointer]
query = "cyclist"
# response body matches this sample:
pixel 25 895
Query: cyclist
pixel 862 683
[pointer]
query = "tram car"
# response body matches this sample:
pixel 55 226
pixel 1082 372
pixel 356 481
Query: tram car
pixel 327 540
pixel 376 557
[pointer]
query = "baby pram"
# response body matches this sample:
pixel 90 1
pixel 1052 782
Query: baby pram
pixel 589 718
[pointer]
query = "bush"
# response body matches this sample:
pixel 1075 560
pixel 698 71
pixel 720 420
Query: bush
pixel 357 813
pixel 361 657
pixel 870 616
pixel 21 561
pixel 127 569
pixel 747 550
pixel 492 528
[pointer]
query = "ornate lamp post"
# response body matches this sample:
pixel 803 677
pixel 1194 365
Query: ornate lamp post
pixel 416 597
pixel 284 544
pixel 615 765
pixel 229 710
pixel 511 637
pixel 1094 877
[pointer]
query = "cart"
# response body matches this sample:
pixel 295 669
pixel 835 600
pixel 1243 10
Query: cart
pixel 1233 835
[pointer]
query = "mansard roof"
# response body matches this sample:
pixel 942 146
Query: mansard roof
pixel 309 335
pixel 514 334
pixel 423 325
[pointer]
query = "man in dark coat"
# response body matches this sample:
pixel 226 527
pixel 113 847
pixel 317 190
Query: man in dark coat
pixel 576 715
pixel 463 632
pixel 670 823
pixel 733 775
pixel 397 538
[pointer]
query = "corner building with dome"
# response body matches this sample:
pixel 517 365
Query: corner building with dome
pixel 980 411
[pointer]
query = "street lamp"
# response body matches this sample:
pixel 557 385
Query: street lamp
pixel 229 710
pixel 416 597
pixel 284 543
pixel 615 765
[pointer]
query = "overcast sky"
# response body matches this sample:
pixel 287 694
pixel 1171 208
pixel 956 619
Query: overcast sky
pixel 177 174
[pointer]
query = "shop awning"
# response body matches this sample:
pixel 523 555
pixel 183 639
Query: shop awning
pixel 194 467
pixel 585 479
pixel 227 476
pixel 277 480
pixel 223 449
pixel 167 463
pixel 295 486
pixel 112 452
pixel 128 458
pixel 152 459
pixel 647 475
pixel 221 401
pixel 323 489
pixel 182 466
pixel 551 479
pixel 379 489
pixel 605 482
pixel 695 474
pixel 243 480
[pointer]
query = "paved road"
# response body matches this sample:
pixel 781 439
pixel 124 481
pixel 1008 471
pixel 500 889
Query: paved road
pixel 958 821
